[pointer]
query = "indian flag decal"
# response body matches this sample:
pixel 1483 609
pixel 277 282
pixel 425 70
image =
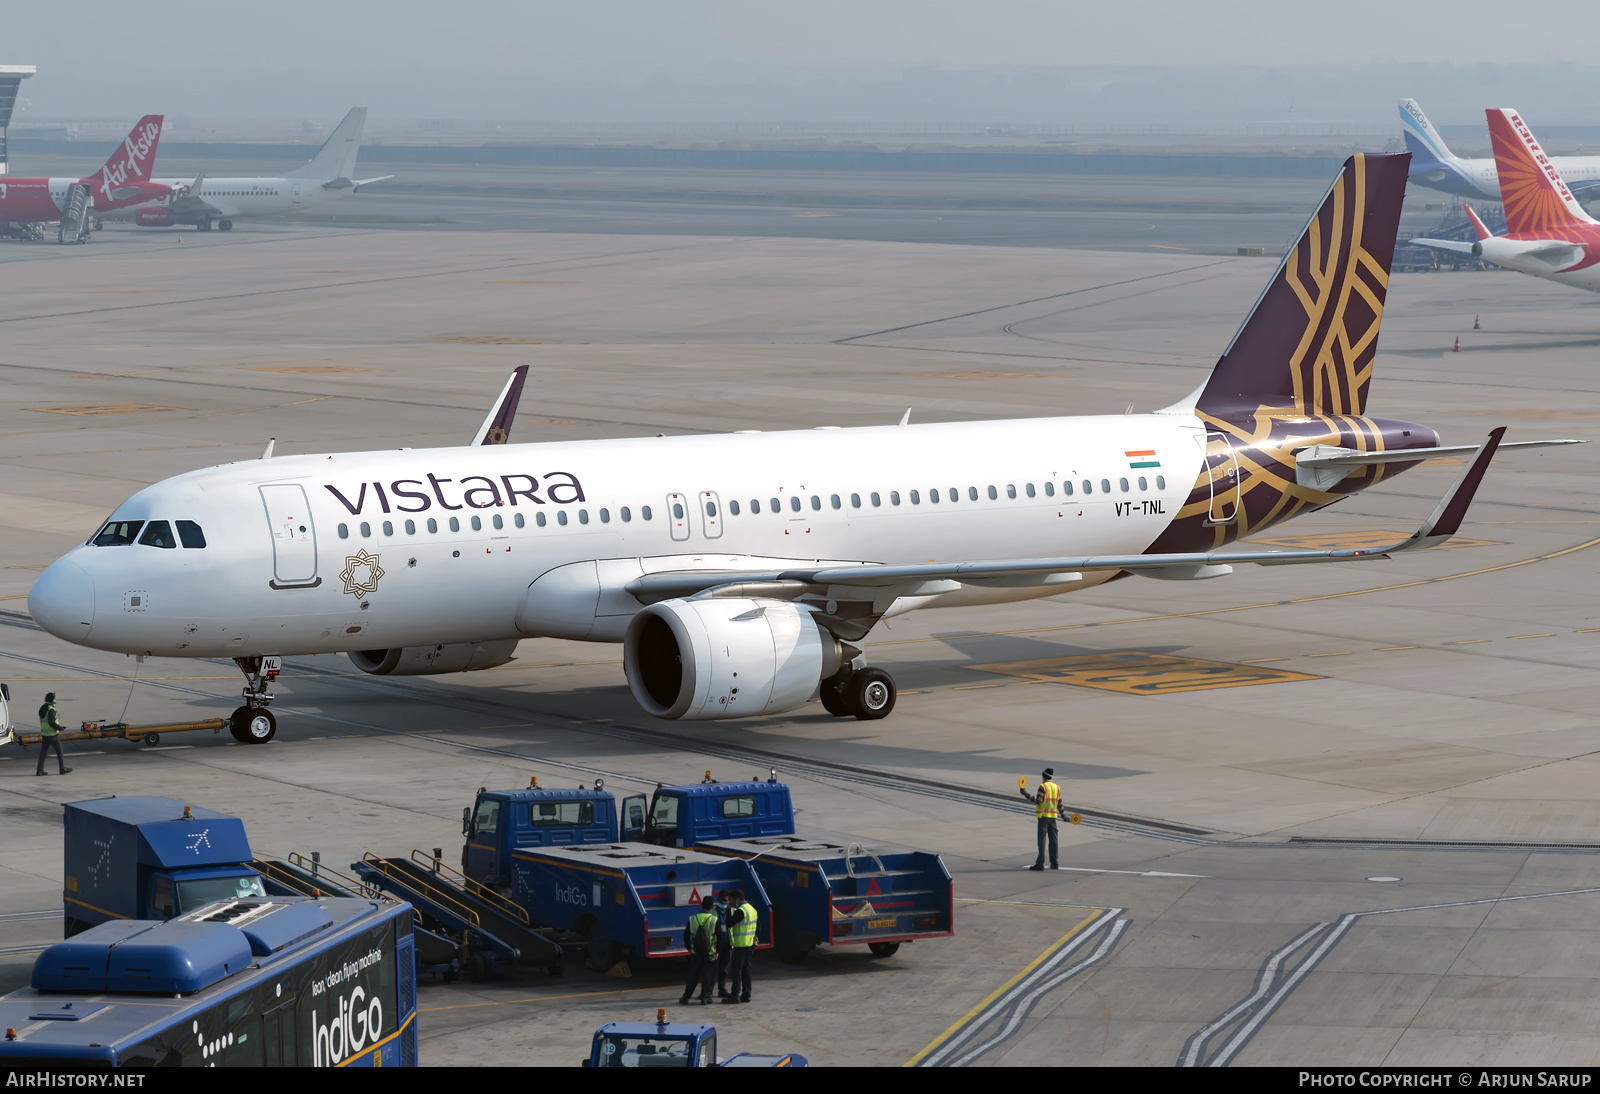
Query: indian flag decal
pixel 1145 458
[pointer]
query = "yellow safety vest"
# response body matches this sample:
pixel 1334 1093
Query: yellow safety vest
pixel 1049 803
pixel 45 728
pixel 708 922
pixel 743 933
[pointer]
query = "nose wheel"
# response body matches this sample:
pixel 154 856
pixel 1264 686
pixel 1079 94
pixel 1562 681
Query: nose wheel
pixel 866 694
pixel 253 723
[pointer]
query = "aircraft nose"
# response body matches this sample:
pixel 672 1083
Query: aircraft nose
pixel 62 601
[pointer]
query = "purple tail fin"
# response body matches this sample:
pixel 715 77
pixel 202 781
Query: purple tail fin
pixel 1309 342
pixel 496 428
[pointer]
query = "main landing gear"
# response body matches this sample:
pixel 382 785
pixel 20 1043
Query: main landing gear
pixel 864 693
pixel 225 225
pixel 253 723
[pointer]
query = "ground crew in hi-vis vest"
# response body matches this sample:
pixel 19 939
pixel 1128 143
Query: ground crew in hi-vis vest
pixel 1046 809
pixel 700 939
pixel 50 735
pixel 742 933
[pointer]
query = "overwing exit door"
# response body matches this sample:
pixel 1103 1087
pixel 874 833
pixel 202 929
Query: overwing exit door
pixel 294 537
pixel 678 515
pixel 710 514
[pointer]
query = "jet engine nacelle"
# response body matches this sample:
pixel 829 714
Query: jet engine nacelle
pixel 153 218
pixel 711 657
pixel 433 660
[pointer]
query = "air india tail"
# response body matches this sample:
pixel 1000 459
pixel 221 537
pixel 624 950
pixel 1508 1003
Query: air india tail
pixel 1537 201
pixel 130 164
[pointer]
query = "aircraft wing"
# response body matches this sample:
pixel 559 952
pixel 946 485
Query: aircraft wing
pixel 192 203
pixel 920 579
pixel 1452 245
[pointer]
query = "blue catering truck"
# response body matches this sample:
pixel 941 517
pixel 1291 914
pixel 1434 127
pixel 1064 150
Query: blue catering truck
pixel 533 843
pixel 150 858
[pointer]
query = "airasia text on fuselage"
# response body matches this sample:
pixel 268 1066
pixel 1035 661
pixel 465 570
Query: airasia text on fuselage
pixel 472 492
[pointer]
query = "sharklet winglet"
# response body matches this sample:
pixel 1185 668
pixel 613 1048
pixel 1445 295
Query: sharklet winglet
pixel 496 428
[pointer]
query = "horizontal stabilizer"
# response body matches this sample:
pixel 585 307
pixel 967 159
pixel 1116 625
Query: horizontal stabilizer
pixel 368 182
pixel 926 578
pixel 1323 465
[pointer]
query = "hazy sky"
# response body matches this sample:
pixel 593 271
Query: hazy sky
pixel 489 58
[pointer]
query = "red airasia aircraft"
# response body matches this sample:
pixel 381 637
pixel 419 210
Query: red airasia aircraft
pixel 124 180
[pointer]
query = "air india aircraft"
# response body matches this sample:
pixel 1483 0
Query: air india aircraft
pixel 1548 234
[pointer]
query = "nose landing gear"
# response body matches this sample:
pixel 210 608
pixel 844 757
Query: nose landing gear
pixel 253 723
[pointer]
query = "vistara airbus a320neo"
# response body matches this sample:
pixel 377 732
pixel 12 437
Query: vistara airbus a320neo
pixel 739 570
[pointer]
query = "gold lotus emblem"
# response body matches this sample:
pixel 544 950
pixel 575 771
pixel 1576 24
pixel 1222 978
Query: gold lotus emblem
pixel 361 573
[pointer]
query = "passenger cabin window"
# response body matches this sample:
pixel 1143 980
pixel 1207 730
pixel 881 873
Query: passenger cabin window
pixel 627 516
pixel 117 533
pixel 733 506
pixel 755 505
pixel 816 501
pixel 773 503
pixel 1011 490
pixel 1161 482
pixel 605 518
pixel 583 516
pixel 878 501
pixel 158 534
pixel 1124 484
pixel 388 527
pixel 411 527
pixel 190 535
pixel 539 519
pixel 433 526
pixel 1029 489
pixel 833 500
pixel 1144 483
pixel 344 531
pixel 561 515
pixel 739 807
pixel 894 497
pixel 1105 486
pixel 519 521
pixel 1049 489
pixel 794 502
pixel 455 525
pixel 498 521
pixel 488 816
pixel 972 493
pixel 1088 487
pixel 477 524
pixel 1066 489
pixel 916 498
pixel 644 511
pixel 933 496
pixel 366 530
pixel 553 814
pixel 993 493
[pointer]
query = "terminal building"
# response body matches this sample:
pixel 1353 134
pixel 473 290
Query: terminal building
pixel 11 77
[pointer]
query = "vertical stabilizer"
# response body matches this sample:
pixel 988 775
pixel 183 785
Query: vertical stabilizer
pixel 1536 199
pixel 1422 139
pixel 337 157
pixel 132 162
pixel 1308 345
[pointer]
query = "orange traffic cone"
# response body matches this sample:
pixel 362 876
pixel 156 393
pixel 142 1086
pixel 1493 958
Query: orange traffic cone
pixel 1458 345
pixel 1475 323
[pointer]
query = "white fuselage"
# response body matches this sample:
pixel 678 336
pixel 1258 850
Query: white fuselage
pixel 247 197
pixel 414 547
pixel 1479 178
pixel 1569 267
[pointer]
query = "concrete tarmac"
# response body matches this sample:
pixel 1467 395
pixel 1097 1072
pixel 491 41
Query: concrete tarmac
pixel 1368 837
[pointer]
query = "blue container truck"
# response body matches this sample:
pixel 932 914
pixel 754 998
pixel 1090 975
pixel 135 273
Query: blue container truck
pixel 823 892
pixel 150 858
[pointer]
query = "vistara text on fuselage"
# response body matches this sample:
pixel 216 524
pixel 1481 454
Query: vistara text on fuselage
pixel 739 570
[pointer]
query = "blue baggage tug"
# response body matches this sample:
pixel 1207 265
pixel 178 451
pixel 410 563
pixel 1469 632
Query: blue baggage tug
pixel 265 981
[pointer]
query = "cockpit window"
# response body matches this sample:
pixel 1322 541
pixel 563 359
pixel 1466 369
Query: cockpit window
pixel 191 535
pixel 117 533
pixel 159 534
